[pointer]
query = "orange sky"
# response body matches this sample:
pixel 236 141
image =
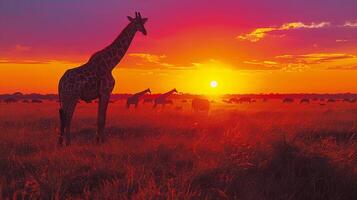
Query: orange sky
pixel 245 48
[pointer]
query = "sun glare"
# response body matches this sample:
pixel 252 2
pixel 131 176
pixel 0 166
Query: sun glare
pixel 214 84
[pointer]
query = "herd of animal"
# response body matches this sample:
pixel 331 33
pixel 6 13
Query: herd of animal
pixel 160 100
pixel 321 101
pixel 197 103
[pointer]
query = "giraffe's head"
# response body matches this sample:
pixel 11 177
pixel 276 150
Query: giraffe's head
pixel 139 22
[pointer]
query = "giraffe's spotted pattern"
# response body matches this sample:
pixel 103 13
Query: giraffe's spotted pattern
pixel 94 79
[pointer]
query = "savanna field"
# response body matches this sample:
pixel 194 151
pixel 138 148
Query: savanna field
pixel 262 150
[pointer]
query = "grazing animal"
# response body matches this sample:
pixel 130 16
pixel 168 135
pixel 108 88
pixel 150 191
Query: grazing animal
pixel 288 100
pixel 10 100
pixel 349 100
pixel 199 104
pixel 305 100
pixel 134 99
pixel 94 79
pixel 245 99
pixel 36 101
pixel 162 98
pixel 227 101
pixel 232 100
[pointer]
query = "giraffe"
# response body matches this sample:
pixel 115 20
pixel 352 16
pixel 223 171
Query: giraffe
pixel 134 99
pixel 94 80
pixel 162 98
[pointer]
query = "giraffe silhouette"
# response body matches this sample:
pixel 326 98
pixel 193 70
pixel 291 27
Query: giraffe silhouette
pixel 94 80
pixel 134 99
pixel 162 98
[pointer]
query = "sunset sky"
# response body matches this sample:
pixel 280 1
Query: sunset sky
pixel 293 46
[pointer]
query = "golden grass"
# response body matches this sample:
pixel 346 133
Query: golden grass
pixel 247 151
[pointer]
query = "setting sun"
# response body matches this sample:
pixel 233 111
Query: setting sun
pixel 214 84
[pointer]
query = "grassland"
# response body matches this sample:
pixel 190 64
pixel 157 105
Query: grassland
pixel 246 151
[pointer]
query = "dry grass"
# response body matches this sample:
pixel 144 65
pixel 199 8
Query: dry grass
pixel 249 151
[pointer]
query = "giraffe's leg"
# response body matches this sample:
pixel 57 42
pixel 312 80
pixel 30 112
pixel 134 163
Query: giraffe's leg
pixel 102 111
pixel 68 110
pixel 62 121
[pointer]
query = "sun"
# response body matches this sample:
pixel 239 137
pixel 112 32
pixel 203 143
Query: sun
pixel 214 84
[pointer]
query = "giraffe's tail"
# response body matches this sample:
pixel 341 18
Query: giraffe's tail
pixel 62 119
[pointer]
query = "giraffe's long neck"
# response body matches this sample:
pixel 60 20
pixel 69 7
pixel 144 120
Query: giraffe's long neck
pixel 139 94
pixel 111 55
pixel 166 94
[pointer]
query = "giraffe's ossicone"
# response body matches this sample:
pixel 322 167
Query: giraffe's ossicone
pixel 94 79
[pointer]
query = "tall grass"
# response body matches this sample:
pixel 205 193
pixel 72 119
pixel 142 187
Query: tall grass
pixel 257 151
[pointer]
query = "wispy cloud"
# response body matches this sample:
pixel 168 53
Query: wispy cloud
pixel 18 61
pixel 260 65
pixel 316 58
pixel 350 24
pixel 260 33
pixel 343 68
pixel 152 58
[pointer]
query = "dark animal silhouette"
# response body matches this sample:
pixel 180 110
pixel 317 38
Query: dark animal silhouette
pixel 349 100
pixel 305 100
pixel 245 100
pixel 161 99
pixel 134 99
pixel 10 100
pixel 94 79
pixel 36 101
pixel 232 100
pixel 227 101
pixel 199 104
pixel 241 100
pixel 288 100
